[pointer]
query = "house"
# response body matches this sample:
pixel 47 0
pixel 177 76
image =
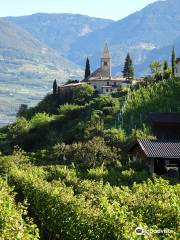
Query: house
pixel 102 79
pixel 160 156
pixel 67 90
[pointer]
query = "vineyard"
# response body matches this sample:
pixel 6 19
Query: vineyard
pixel 65 204
pixel 162 96
pixel 71 179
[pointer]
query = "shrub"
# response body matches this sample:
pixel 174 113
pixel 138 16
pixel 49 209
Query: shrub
pixel 87 155
pixel 40 119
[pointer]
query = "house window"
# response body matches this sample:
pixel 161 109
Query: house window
pixel 95 87
pixel 105 63
pixel 107 83
pixel 114 83
pixel 107 90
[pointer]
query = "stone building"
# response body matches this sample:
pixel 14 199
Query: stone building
pixel 102 79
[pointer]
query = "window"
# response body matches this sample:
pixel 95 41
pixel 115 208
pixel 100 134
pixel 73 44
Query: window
pixel 107 83
pixel 107 90
pixel 105 63
pixel 114 83
pixel 95 87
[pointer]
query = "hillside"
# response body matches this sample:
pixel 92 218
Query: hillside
pixel 27 69
pixel 59 31
pixel 162 96
pixel 75 174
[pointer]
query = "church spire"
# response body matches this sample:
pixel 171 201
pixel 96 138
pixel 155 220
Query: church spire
pixel 106 63
pixel 106 52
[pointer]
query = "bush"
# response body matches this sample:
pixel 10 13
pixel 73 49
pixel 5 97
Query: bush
pixel 20 127
pixel 115 137
pixel 83 94
pixel 40 119
pixel 86 155
pixel 12 223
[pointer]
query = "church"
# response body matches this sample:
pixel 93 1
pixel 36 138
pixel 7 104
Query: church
pixel 102 79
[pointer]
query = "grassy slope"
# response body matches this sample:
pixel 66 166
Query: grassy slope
pixel 159 97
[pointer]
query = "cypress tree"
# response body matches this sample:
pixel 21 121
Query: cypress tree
pixel 54 87
pixel 166 66
pixel 87 69
pixel 128 71
pixel 166 70
pixel 173 62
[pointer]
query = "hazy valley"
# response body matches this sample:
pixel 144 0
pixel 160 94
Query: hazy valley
pixel 36 49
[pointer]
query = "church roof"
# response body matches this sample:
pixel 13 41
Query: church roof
pixel 106 53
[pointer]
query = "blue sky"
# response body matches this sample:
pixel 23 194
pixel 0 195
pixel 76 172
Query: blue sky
pixel 114 9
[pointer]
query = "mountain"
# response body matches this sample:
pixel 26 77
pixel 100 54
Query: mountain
pixel 77 36
pixel 154 27
pixel 59 31
pixel 27 69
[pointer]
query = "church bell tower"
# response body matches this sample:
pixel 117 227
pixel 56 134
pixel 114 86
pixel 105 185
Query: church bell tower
pixel 106 63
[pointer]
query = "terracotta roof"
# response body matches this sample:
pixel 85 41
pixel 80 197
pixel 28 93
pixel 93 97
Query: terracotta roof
pixel 158 148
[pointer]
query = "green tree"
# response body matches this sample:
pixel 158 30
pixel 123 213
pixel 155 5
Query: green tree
pixel 54 87
pixel 87 69
pixel 173 62
pixel 18 128
pixel 156 67
pixel 83 93
pixel 22 112
pixel 39 119
pixel 156 70
pixel 166 70
pixel 128 71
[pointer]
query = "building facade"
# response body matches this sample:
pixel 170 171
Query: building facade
pixel 102 79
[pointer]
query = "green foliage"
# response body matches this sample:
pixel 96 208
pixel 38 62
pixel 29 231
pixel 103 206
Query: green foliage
pixel 20 127
pixel 86 155
pixel 167 73
pixel 55 87
pixel 115 137
pixel 98 173
pixel 156 70
pixel 173 62
pixel 12 223
pixel 162 96
pixel 22 112
pixel 144 133
pixel 70 109
pixel 71 81
pixel 95 210
pixel 87 69
pixel 83 93
pixel 128 71
pixel 156 67
pixel 40 119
